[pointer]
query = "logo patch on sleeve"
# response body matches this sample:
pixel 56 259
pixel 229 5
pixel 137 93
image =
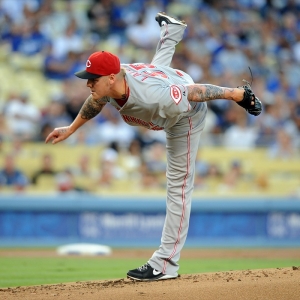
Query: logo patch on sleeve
pixel 176 93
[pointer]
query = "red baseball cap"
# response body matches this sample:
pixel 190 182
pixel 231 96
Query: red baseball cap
pixel 99 64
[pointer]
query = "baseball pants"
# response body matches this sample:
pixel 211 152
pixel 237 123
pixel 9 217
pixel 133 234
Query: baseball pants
pixel 182 147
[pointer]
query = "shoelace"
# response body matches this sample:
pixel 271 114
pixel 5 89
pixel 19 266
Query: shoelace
pixel 144 267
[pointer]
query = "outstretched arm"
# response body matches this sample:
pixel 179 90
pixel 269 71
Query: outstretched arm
pixel 207 92
pixel 243 96
pixel 89 110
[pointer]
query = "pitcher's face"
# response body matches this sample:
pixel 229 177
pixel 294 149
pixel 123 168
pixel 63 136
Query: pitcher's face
pixel 99 87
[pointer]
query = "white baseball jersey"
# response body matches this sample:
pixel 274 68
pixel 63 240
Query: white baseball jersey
pixel 157 96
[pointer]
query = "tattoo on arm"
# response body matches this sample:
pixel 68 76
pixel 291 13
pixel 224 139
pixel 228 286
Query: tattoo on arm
pixel 207 92
pixel 91 108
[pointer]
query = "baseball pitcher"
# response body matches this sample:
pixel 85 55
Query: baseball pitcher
pixel 160 98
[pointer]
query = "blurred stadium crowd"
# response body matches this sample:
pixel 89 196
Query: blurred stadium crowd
pixel 43 42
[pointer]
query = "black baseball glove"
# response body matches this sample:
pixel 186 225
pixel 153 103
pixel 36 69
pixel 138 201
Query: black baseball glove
pixel 254 108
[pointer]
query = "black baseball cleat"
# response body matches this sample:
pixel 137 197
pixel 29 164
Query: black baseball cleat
pixel 147 273
pixel 162 19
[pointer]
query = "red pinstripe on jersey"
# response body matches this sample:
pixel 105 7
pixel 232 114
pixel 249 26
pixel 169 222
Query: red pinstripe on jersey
pixel 182 197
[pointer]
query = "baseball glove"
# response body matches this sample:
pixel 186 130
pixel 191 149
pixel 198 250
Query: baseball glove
pixel 254 108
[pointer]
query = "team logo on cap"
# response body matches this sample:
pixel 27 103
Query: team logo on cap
pixel 88 63
pixel 176 93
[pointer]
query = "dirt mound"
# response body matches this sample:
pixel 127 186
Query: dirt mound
pixel 279 283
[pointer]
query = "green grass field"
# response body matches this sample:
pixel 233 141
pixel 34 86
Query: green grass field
pixel 24 271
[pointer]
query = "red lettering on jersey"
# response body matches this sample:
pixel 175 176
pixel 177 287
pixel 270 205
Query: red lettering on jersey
pixel 141 66
pixel 176 93
pixel 179 73
pixel 138 122
pixel 157 74
pixel 147 74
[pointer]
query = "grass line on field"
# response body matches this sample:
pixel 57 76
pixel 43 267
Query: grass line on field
pixel 24 271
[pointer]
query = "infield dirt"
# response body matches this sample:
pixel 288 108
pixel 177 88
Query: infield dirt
pixel 264 284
